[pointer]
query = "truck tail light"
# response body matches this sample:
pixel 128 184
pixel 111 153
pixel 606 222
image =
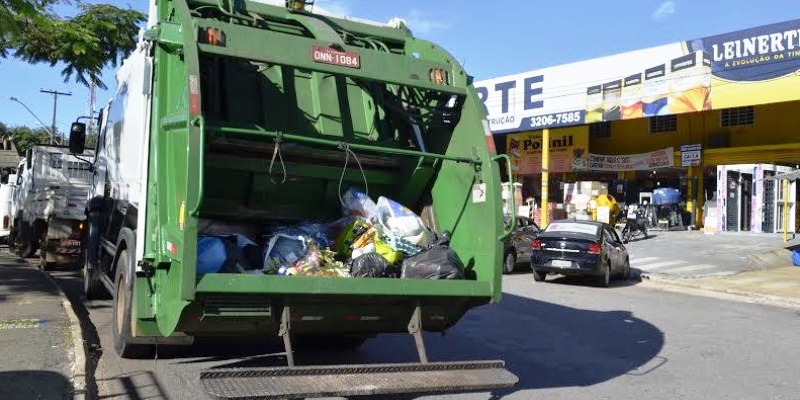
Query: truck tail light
pixel 438 76
pixel 212 36
pixel 594 248
pixel 5 222
pixel 536 244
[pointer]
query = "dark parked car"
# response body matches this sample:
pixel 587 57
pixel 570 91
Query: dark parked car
pixel 571 247
pixel 517 247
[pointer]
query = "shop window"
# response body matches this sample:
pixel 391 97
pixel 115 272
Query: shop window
pixel 664 124
pixel 737 116
pixel 599 130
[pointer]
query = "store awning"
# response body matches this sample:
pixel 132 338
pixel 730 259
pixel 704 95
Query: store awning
pixel 792 176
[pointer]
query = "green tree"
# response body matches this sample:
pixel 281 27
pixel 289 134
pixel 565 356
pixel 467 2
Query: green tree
pixel 97 36
pixel 25 137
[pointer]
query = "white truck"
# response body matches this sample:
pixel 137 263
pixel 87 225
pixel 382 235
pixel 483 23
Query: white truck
pixel 6 192
pixel 48 204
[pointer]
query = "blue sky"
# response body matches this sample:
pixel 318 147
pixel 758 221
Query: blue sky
pixel 492 38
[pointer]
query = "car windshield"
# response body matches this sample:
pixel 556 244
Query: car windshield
pixel 572 228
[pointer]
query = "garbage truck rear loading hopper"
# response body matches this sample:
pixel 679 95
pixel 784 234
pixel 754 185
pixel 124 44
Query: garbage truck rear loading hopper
pixel 253 114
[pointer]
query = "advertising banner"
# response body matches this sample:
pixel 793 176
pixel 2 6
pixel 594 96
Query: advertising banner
pixel 631 162
pixel 568 151
pixel 747 67
pixel 691 155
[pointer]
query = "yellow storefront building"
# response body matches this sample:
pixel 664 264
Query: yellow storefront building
pixel 725 107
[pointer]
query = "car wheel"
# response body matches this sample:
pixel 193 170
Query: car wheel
pixel 626 270
pixel 605 279
pixel 509 263
pixel 539 276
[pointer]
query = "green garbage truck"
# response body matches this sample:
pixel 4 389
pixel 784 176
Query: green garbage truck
pixel 237 115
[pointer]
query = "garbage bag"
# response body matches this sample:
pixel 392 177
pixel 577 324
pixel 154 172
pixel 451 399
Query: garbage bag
pixel 353 230
pixel 358 204
pixel 318 262
pixel 436 262
pixel 229 253
pixel 211 254
pixel 313 230
pixel 283 250
pixel 391 255
pixel 403 222
pixel 369 265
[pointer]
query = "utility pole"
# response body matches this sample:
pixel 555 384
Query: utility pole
pixel 55 94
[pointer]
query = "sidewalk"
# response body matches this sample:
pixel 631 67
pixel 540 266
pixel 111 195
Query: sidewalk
pixel 770 279
pixel 37 342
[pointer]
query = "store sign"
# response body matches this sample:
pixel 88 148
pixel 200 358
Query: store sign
pixel 742 68
pixel 569 151
pixel 691 155
pixel 631 162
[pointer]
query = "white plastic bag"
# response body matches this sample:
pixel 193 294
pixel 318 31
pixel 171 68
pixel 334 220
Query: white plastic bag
pixel 403 222
pixel 358 204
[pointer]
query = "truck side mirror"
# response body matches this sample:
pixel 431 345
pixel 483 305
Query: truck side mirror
pixel 77 138
pixel 29 158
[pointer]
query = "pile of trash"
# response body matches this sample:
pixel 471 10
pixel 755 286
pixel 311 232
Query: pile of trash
pixel 382 239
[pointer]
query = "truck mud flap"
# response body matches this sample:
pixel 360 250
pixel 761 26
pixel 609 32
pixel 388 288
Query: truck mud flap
pixel 356 380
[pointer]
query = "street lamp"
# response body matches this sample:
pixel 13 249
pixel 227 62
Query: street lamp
pixel 52 134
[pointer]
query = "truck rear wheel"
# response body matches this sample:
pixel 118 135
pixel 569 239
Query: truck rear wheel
pixel 92 287
pixel 122 332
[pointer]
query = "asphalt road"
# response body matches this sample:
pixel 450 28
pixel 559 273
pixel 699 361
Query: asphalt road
pixel 687 254
pixel 564 339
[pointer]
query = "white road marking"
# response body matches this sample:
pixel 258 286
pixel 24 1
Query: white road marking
pixel 643 259
pixel 660 265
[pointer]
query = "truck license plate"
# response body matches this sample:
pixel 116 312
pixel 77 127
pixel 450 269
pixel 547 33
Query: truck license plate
pixel 327 55
pixel 70 243
pixel 562 263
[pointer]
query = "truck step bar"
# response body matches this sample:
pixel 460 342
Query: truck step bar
pixel 355 380
pixel 295 382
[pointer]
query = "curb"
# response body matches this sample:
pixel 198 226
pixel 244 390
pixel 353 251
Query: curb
pixel 732 294
pixel 78 344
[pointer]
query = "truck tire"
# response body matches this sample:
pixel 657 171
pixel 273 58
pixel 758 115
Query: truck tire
pixel 21 244
pixel 121 329
pixel 92 287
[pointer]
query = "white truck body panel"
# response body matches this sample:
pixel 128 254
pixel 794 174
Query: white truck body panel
pixel 123 147
pixel 6 193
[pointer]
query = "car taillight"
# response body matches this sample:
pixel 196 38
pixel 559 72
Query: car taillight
pixel 594 248
pixel 536 244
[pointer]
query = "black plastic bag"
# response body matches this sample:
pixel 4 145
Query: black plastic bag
pixel 371 265
pixel 436 262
